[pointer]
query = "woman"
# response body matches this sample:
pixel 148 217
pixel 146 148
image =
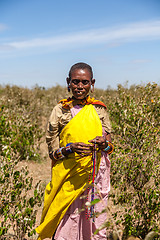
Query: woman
pixel 75 126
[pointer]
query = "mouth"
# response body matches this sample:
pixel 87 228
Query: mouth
pixel 79 92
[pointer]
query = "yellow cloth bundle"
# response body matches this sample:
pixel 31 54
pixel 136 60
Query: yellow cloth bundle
pixel 70 175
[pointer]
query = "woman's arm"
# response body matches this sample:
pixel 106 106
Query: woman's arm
pixel 104 143
pixel 79 147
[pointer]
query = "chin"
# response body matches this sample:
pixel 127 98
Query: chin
pixel 79 97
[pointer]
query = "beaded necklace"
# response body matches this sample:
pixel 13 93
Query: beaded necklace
pixel 90 211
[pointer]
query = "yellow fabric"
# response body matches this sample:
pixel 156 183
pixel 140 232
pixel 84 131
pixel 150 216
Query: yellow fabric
pixel 70 175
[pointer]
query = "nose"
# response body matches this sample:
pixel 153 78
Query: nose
pixel 80 85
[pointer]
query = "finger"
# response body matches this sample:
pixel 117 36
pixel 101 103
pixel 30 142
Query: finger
pixel 84 151
pixel 95 141
pixel 84 154
pixel 86 147
pixel 88 151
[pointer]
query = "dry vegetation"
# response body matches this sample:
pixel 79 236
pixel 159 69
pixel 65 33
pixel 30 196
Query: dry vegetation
pixel 134 202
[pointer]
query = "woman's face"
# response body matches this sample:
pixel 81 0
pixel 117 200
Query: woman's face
pixel 80 83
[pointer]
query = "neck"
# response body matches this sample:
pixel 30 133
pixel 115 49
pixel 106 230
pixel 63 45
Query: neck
pixel 80 99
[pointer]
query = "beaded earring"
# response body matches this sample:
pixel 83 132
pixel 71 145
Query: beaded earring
pixel 92 89
pixel 69 89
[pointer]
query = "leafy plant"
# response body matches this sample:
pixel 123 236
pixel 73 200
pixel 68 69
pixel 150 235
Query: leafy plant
pixel 19 199
pixel 20 130
pixel 135 161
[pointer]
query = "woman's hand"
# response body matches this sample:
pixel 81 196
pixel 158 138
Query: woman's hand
pixel 100 141
pixel 81 148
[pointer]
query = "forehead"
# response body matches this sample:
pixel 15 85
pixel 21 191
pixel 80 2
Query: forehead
pixel 81 73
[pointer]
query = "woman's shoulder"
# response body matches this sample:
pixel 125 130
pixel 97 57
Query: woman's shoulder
pixel 55 113
pixel 100 109
pixel 58 108
pixel 103 116
pixel 99 104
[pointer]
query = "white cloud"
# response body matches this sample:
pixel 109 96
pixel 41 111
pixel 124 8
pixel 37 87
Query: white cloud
pixel 114 36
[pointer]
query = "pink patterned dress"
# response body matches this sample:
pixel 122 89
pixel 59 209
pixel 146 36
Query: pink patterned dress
pixel 75 225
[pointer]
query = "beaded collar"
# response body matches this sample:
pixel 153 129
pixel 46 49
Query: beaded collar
pixel 71 102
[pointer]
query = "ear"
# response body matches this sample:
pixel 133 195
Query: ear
pixel 92 85
pixel 68 80
pixel 93 82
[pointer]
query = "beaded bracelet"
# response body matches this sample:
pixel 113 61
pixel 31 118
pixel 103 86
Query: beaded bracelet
pixel 51 154
pixel 68 148
pixel 109 148
pixel 59 153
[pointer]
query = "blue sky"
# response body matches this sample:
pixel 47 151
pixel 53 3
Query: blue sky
pixel 41 39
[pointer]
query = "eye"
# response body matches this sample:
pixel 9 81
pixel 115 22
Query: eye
pixel 85 82
pixel 75 81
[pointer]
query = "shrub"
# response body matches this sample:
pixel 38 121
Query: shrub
pixel 19 197
pixel 135 172
pixel 19 200
pixel 20 125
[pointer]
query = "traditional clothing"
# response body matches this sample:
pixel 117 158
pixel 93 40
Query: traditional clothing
pixel 70 176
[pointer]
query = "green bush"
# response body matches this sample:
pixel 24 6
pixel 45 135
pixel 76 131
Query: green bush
pixel 19 136
pixel 135 172
pixel 19 200
pixel 20 123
